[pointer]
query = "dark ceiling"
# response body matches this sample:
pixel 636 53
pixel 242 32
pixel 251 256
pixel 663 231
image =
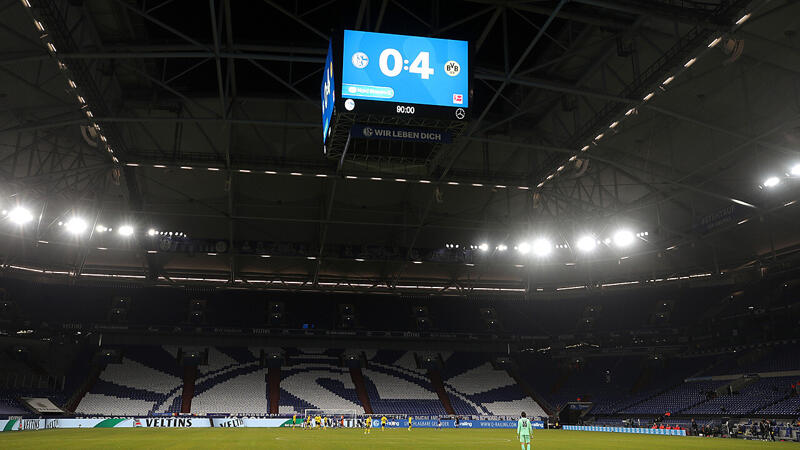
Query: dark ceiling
pixel 211 110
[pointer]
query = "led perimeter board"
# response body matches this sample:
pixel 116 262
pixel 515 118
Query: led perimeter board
pixel 392 75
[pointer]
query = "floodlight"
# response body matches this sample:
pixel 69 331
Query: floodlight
pixel 502 248
pixel 20 215
pixel 743 19
pixel 542 247
pixel 125 230
pixel 586 243
pixel 151 232
pixel 483 247
pixel 795 170
pixel 623 238
pixel 524 248
pixel 101 228
pixel 772 182
pixel 76 225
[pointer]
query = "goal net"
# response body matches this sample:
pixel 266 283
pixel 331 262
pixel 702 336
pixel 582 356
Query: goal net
pixel 348 416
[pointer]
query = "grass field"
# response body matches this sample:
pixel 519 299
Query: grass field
pixel 284 438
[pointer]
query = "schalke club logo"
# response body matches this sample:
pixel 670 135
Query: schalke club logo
pixel 360 60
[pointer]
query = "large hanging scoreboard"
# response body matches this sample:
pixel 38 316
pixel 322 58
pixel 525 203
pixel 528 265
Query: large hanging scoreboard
pixel 406 70
pixel 384 78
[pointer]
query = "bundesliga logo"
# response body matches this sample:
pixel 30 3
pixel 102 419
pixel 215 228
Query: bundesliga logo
pixel 458 99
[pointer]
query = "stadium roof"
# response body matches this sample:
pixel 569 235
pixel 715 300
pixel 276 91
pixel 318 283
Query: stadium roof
pixel 203 119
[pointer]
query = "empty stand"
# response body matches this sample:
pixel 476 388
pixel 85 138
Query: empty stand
pixel 316 380
pixel 141 384
pixel 397 386
pixel 476 387
pixel 232 382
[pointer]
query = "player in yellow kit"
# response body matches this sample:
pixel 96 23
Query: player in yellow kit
pixel 409 423
pixel 367 425
pixel 383 423
pixel 294 421
pixel 318 421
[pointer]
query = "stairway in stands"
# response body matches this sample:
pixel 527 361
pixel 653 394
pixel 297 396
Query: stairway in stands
pixel 436 382
pixel 528 390
pixel 274 391
pixel 86 386
pixel 189 377
pixel 358 380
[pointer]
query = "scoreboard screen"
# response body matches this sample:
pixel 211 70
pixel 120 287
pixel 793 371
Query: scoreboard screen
pixel 327 93
pixel 371 76
pixel 407 70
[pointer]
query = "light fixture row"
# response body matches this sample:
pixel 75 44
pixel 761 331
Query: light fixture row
pixel 774 180
pixel 542 246
pixel 72 85
pixel 19 215
pixel 647 97
pixel 326 175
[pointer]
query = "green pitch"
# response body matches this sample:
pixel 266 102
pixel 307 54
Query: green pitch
pixel 284 438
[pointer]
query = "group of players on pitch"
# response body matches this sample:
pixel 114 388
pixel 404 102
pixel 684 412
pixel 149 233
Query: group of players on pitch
pixel 320 422
pixel 524 428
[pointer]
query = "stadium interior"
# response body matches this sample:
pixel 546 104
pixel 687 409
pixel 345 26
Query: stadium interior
pixel 601 230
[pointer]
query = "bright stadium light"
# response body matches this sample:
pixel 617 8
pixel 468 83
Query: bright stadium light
pixel 542 247
pixel 483 247
pixel 502 247
pixel 151 232
pixel 20 215
pixel 524 248
pixel 125 230
pixel 795 170
pixel 772 182
pixel 623 238
pixel 586 243
pixel 75 225
pixel 101 228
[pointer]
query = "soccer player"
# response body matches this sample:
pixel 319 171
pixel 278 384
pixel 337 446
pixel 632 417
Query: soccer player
pixel 439 425
pixel 524 432
pixel 318 420
pixel 409 423
pixel 294 421
pixel 367 425
pixel 383 423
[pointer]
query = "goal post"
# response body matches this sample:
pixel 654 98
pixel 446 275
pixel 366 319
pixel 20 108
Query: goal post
pixel 349 415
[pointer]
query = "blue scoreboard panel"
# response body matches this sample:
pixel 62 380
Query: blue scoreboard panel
pixel 328 93
pixel 376 74
pixel 405 69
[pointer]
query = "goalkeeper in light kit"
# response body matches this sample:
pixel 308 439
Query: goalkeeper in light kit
pixel 524 432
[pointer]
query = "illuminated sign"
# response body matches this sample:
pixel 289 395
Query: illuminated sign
pixel 404 69
pixel 327 93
